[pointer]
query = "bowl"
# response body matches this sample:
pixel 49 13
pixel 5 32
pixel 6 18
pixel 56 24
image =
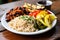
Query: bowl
pixel 5 25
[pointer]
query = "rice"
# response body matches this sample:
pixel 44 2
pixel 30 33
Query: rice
pixel 22 25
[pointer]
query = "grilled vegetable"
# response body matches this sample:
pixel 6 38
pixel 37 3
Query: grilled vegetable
pixel 45 18
pixel 34 13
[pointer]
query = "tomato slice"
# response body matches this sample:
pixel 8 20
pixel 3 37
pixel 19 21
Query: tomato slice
pixel 34 13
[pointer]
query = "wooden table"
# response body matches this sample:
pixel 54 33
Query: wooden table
pixel 50 35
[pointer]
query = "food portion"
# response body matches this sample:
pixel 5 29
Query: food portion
pixel 32 7
pixel 46 18
pixel 23 23
pixel 16 12
pixel 29 19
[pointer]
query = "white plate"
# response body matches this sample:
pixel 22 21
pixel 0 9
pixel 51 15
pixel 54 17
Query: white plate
pixel 5 24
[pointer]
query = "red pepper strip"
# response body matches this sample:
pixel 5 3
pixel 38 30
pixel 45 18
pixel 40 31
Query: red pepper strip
pixel 34 13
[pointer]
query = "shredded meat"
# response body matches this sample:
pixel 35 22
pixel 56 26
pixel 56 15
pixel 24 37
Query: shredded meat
pixel 16 12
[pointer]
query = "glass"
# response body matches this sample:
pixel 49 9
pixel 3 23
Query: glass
pixel 46 3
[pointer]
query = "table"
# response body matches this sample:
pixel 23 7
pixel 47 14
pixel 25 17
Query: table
pixel 50 35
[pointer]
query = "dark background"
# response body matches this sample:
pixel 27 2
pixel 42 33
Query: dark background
pixel 6 1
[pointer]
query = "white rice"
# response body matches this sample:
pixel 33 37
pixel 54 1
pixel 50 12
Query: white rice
pixel 21 25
